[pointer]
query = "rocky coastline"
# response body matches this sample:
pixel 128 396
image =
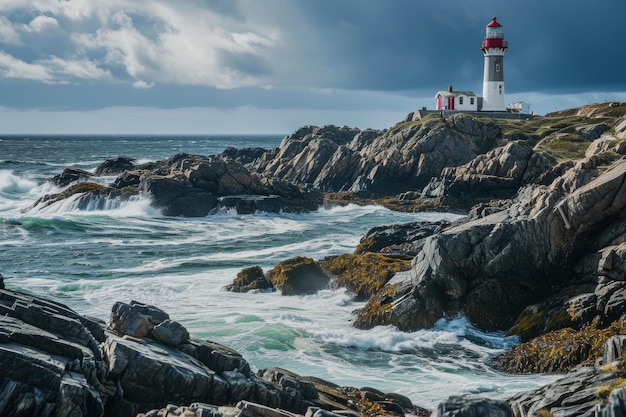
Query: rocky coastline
pixel 541 255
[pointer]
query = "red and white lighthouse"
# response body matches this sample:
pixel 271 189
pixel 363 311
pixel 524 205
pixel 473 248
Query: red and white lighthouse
pixel 493 46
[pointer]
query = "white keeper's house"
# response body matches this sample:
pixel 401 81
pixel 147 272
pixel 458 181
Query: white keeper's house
pixel 493 47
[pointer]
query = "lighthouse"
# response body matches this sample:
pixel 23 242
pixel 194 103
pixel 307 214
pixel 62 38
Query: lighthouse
pixel 493 46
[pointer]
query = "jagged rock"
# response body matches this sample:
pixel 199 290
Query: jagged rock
pixel 336 159
pixel 70 175
pixel 217 357
pixel 593 131
pixel 497 174
pixel 298 276
pixel 250 279
pixel 115 166
pixel 175 196
pixel 491 268
pixel 399 239
pixel 151 375
pixel 363 275
pixel 50 362
pixel 190 186
pixel 87 196
pixel 473 406
pixel 136 319
pixel 576 394
pixel 616 405
pixel 170 333
pixel 613 349
pixel 244 156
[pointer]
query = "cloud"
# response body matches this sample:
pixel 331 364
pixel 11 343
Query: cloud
pixel 11 67
pixel 83 69
pixel 53 70
pixel 142 84
pixel 42 23
pixel 8 34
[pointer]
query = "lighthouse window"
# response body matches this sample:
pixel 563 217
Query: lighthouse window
pixel 497 67
pixel 500 89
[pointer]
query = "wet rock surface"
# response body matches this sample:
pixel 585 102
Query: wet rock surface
pixel 56 362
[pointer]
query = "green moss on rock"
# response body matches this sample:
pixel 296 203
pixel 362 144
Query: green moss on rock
pixel 249 279
pixel 299 275
pixel 529 323
pixel 558 351
pixel 378 310
pixel 364 274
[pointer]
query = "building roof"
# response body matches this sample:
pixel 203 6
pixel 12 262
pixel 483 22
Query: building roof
pixel 455 93
pixel 493 23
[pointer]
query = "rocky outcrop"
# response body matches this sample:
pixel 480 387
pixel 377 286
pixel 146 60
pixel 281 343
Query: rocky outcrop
pixel 334 159
pixel 186 185
pixel 491 268
pixel 400 239
pixel 56 362
pixel 298 276
pixel 250 279
pixel 498 174
pixel 50 360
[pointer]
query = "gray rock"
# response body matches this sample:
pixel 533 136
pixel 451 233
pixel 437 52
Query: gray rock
pixel 136 319
pixel 613 349
pixel 336 159
pixel 616 406
pixel 250 279
pixel 70 175
pixel 115 166
pixel 49 363
pixel 298 276
pixel 576 394
pixel 491 268
pixel 400 239
pixel 171 333
pixel 473 406
pixel 593 131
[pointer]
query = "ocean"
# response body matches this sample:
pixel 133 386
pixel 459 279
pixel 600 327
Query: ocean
pixel 90 259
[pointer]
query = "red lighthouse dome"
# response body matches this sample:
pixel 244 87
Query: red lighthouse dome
pixel 494 36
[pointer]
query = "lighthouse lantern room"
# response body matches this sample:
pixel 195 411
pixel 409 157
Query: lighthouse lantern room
pixel 493 46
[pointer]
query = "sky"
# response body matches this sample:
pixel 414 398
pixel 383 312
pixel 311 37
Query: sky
pixel 272 66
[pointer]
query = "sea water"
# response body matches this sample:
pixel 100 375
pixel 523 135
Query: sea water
pixel 89 259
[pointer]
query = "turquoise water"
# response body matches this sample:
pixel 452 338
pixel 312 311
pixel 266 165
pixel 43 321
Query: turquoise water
pixel 90 259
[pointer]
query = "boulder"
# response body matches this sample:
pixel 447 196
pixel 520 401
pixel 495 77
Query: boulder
pixel 593 131
pixel 170 333
pixel 473 406
pixel 136 319
pixel 363 275
pixel 298 276
pixel 250 279
pixel 87 196
pixel 400 239
pixel 115 166
pixel 70 175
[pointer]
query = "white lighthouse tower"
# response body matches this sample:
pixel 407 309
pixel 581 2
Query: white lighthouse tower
pixel 493 46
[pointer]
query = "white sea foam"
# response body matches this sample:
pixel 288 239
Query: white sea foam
pixel 12 184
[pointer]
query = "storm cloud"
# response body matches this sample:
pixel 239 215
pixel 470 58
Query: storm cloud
pixel 82 55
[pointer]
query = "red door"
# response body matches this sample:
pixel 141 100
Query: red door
pixel 439 103
pixel 451 103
